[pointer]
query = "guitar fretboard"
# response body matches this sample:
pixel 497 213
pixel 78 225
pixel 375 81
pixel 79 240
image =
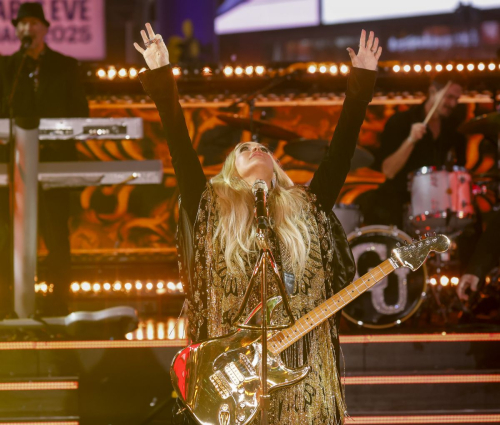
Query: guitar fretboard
pixel 283 339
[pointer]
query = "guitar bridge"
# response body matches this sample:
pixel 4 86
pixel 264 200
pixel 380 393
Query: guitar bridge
pixel 221 385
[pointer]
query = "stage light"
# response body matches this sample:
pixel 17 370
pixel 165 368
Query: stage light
pixel 206 71
pixel 176 71
pixel 107 286
pixel 259 70
pixel 396 68
pixel 160 285
pixel 171 286
pixel 132 73
pixel 86 287
pixel 128 286
pixel 179 287
pixel 417 68
pixel 444 280
pixel 428 68
pixel 101 73
pixel 449 67
pixel 334 69
pixel 111 73
pixel 481 67
pixel 122 73
pixel 238 71
pixel 460 67
pixel 470 67
pixel 149 286
pixel 117 286
pixel 433 281
pixel 322 69
pixel 96 287
pixel 228 71
pixel 311 69
pixel 344 69
pixel 75 287
pixel 249 70
pixel 407 68
pixel 138 285
pixel 438 67
pixel 143 69
pixel 455 280
pixel 43 287
pixel 491 66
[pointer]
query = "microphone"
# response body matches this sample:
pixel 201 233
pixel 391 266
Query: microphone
pixel 26 42
pixel 259 190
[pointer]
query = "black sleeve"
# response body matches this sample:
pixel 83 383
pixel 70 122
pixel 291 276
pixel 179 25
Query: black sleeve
pixel 395 132
pixel 77 101
pixel 160 85
pixel 487 252
pixel 331 173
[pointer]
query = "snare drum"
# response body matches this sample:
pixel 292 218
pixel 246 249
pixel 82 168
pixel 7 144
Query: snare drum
pixel 441 200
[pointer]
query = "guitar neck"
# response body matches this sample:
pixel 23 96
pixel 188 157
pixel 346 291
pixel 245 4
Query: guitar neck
pixel 283 339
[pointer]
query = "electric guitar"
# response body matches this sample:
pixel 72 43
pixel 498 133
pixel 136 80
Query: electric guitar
pixel 218 380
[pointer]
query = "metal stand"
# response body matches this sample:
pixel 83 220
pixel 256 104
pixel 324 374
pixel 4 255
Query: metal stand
pixel 260 266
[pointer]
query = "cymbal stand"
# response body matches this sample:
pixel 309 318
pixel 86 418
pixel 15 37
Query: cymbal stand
pixel 260 269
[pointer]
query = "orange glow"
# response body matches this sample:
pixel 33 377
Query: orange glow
pixel 38 386
pixel 42 423
pixel 396 68
pixel 417 68
pixel 249 70
pixel 312 69
pixel 421 379
pixel 101 73
pixel 238 70
pixel 344 69
pixel 481 67
pixel 491 66
pixel 460 67
pixel 228 71
pixel 428 68
pixel 322 69
pixel 206 71
pixel 424 419
pixel 470 67
pixel 449 67
pixel 439 67
pixel 407 68
pixel 260 70
pixel 334 69
pixel 176 71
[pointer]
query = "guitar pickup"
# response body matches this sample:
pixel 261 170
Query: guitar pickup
pixel 248 364
pixel 234 374
pixel 221 385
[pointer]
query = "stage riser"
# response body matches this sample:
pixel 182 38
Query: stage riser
pixel 36 405
pixel 421 356
pixel 421 398
pixel 124 385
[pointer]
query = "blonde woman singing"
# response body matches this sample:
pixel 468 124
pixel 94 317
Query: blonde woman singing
pixel 217 232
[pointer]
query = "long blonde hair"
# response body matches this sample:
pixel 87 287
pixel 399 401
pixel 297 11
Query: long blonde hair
pixel 287 208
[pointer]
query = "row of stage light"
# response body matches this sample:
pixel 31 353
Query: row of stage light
pixel 229 71
pixel 118 287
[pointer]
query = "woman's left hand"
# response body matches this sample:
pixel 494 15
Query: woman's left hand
pixel 368 54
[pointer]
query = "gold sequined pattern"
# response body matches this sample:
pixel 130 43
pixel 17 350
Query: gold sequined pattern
pixel 317 399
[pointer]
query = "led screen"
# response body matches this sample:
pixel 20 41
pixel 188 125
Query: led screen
pixel 339 11
pixel 237 16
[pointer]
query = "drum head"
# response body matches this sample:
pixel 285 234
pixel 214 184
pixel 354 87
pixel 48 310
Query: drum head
pixel 395 298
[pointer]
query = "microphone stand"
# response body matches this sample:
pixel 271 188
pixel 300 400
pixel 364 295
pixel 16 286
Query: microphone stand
pixel 265 256
pixel 11 164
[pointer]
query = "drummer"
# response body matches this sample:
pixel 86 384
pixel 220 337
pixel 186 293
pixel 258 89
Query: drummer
pixel 407 144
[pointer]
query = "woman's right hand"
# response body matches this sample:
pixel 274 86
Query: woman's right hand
pixel 155 52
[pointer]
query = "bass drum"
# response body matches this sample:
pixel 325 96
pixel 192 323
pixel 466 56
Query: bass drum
pixel 395 298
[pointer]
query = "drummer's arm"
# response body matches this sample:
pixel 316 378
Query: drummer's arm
pixel 393 164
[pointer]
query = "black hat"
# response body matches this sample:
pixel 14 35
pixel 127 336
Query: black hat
pixel 30 10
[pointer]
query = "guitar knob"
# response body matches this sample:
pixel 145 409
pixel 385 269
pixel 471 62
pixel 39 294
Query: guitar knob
pixel 398 244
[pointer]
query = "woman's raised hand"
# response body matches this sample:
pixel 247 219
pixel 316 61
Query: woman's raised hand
pixel 155 52
pixel 368 54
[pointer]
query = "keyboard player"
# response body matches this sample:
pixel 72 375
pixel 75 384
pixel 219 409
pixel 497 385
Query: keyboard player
pixel 49 87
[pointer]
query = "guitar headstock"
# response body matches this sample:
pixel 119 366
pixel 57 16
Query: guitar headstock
pixel 413 255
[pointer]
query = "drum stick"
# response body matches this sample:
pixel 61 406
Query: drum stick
pixel 436 103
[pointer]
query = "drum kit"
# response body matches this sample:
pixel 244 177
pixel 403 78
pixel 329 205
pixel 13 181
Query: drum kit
pixel 443 200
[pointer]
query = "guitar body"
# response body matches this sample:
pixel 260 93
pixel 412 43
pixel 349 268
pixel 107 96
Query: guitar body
pixel 218 380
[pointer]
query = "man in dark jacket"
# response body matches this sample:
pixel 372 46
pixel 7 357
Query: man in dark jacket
pixel 48 87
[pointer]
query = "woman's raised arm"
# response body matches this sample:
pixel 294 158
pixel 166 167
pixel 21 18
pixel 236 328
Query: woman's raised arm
pixel 332 172
pixel 159 84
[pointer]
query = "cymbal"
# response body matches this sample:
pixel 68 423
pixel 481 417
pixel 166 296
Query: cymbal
pixel 314 150
pixel 483 124
pixel 262 128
